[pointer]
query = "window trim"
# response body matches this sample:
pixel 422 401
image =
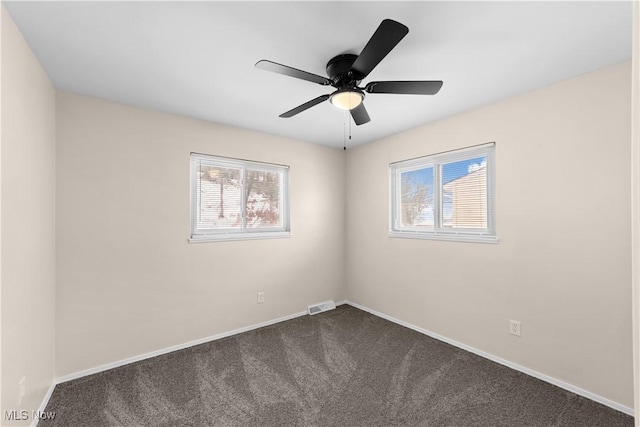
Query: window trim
pixel 198 236
pixel 436 161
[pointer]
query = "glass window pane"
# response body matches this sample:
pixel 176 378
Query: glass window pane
pixel 218 198
pixel 262 191
pixel 416 198
pixel 464 193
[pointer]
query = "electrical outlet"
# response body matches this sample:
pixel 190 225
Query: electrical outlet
pixel 22 389
pixel 260 297
pixel 514 328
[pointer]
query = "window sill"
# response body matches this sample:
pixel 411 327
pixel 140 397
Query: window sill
pixel 239 236
pixel 471 238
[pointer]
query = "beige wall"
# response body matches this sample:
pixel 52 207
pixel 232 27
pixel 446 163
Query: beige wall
pixel 28 239
pixel 635 200
pixel 562 266
pixel 128 282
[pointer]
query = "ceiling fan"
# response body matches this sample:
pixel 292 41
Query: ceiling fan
pixel 346 71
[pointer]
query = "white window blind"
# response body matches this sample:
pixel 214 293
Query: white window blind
pixel 237 199
pixel 447 196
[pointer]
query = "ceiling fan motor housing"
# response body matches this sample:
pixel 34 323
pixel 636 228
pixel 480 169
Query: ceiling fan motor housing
pixel 338 70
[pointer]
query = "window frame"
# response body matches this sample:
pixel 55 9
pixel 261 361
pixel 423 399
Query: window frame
pixel 243 233
pixel 436 161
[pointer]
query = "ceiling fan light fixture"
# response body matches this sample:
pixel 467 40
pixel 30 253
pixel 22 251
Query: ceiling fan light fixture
pixel 347 99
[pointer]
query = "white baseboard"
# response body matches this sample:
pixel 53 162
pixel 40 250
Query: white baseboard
pixel 166 350
pixel 43 404
pixel 531 372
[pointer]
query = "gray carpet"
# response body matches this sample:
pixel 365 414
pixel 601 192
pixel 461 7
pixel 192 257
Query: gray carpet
pixel 340 368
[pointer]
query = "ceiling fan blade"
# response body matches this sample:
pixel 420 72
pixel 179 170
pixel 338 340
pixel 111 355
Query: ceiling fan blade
pixel 292 72
pixel 360 115
pixel 405 87
pixel 386 37
pixel 306 105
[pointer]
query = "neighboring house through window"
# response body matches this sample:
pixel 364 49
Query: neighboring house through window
pixel 448 196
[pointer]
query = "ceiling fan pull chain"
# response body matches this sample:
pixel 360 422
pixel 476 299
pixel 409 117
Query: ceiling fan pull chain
pixel 344 134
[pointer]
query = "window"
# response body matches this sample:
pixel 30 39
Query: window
pixel 237 199
pixel 446 196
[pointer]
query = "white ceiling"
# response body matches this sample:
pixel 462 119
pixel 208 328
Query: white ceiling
pixel 197 58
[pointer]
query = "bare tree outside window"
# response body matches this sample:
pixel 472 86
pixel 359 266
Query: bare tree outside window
pixel 416 197
pixel 235 199
pixel 262 196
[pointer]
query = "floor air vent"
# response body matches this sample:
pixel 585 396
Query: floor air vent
pixel 323 306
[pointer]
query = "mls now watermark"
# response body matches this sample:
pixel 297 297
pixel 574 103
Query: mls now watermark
pixel 15 415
